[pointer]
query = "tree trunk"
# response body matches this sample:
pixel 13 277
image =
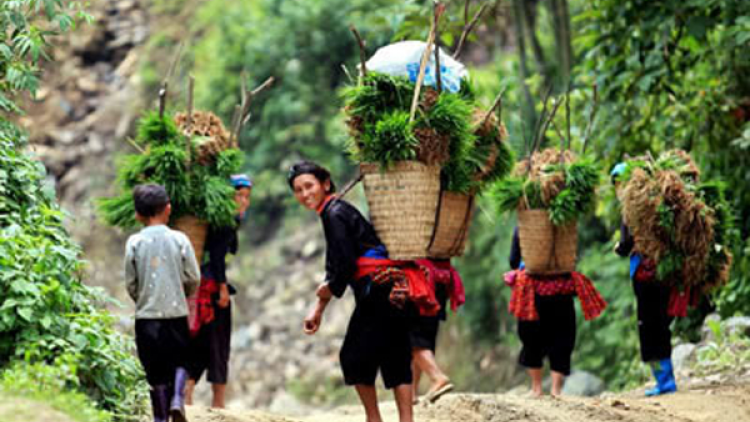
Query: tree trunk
pixel 530 18
pixel 561 23
pixel 518 11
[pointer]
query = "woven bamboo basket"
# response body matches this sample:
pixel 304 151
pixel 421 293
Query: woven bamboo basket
pixel 546 249
pixel 452 225
pixel 403 203
pixel 196 230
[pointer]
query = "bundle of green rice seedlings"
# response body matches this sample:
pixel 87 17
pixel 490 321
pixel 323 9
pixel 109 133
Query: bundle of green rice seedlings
pixel 685 226
pixel 562 184
pixel 196 188
pixel 442 133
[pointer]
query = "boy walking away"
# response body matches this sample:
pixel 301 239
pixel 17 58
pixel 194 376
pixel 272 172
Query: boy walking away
pixel 160 272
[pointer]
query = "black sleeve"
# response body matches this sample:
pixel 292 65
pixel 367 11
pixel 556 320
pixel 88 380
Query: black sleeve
pixel 515 251
pixel 626 243
pixel 341 252
pixel 218 245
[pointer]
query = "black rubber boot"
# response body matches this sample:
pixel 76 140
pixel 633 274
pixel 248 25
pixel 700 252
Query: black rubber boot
pixel 160 402
pixel 177 407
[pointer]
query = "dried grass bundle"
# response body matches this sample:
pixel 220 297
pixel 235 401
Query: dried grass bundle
pixel 672 223
pixel 433 148
pixel 208 126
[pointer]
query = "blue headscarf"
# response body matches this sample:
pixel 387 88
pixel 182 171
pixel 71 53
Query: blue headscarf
pixel 241 181
pixel 617 171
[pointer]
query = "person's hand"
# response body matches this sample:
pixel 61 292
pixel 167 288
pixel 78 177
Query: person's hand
pixel 324 292
pixel 224 298
pixel 313 320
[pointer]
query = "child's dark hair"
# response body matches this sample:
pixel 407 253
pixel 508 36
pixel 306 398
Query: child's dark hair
pixel 308 167
pixel 150 199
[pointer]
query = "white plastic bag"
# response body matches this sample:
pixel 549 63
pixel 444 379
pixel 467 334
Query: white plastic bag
pixel 403 59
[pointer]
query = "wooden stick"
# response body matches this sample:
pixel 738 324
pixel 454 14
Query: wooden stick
pixel 567 113
pixel 189 126
pixel 438 12
pixel 236 116
pixel 467 30
pixel 136 146
pixel 537 125
pixel 362 51
pixel 547 123
pixel 262 87
pixel 346 72
pixel 422 68
pixel 165 82
pixel 497 104
pixel 562 142
pixel 592 115
pixel 349 186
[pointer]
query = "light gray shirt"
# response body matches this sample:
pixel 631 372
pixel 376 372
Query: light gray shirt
pixel 160 272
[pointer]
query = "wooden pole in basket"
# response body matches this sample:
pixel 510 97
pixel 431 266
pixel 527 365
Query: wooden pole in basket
pixel 362 52
pixel 592 115
pixel 438 12
pixel 497 104
pixel 422 68
pixel 165 82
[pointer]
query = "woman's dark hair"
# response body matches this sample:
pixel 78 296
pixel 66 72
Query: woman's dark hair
pixel 150 199
pixel 308 167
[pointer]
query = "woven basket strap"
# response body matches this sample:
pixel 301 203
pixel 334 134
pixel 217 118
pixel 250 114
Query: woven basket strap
pixel 437 221
pixel 458 240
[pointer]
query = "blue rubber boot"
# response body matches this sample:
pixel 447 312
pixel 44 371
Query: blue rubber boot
pixel 664 373
pixel 177 407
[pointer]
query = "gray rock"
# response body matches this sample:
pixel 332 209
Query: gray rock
pixel 737 325
pixel 683 356
pixel 582 383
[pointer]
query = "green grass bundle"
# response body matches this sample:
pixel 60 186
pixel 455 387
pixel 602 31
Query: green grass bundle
pixel 686 226
pixel 565 188
pixel 200 188
pixel 442 132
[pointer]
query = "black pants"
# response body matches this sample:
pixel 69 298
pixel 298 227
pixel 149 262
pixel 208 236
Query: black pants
pixel 652 300
pixel 553 335
pixel 209 350
pixel 377 339
pixel 162 347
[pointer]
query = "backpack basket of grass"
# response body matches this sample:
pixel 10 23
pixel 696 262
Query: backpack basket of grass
pixel 550 193
pixel 195 176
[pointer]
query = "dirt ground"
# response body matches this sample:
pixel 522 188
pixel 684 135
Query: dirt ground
pixel 707 403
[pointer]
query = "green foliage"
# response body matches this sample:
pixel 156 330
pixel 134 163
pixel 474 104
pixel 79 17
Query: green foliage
pixel 203 191
pixel 678 81
pixel 46 313
pixel 579 195
pixel 27 25
pixel 725 353
pixel 47 384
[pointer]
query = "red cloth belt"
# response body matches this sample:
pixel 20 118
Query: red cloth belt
pixel 420 278
pixel 444 273
pixel 201 308
pixel 526 287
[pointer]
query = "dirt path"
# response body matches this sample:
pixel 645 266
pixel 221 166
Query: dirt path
pixel 727 403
